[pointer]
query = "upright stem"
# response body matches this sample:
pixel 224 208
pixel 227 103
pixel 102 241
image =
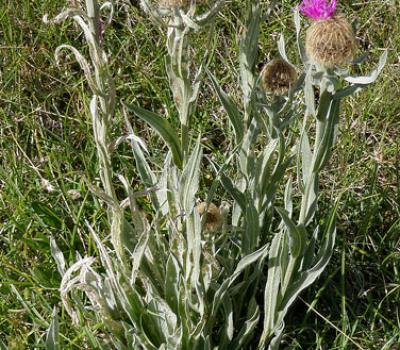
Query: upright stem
pixel 101 127
pixel 93 12
pixel 312 182
pixel 178 71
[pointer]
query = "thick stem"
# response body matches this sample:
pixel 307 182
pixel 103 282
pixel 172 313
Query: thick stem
pixel 312 183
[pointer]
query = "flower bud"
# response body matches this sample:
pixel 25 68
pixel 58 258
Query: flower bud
pixel 331 42
pixel 278 76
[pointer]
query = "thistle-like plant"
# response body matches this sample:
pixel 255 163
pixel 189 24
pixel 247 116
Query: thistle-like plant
pixel 192 275
pixel 293 260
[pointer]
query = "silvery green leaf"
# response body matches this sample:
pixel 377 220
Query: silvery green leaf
pixel 271 297
pixel 162 187
pixel 249 51
pixel 202 19
pixel 199 326
pixel 297 23
pixel 166 319
pixel 69 283
pixel 285 260
pixel 294 233
pixel 58 256
pixel 248 260
pixel 308 276
pixel 108 5
pixel 309 253
pixel 136 311
pixel 113 204
pixel 342 72
pixel 152 10
pixel 143 167
pixel 162 126
pixel 226 334
pixel 282 49
pixel 245 157
pixel 288 197
pixel 123 235
pixel 193 233
pixel 271 187
pixel 138 255
pixel 174 340
pixel 246 334
pixel 98 59
pixel 239 197
pixel 324 107
pixel 347 91
pixel 105 258
pixel 266 167
pixel 82 63
pixel 276 340
pixel 139 220
pixel 52 336
pixel 369 79
pixel 240 200
pixel 172 190
pixel 230 108
pixel 245 262
pixel 251 232
pixel 172 282
pixel 309 92
pixel 309 200
pixel 324 148
pixel 130 137
pixel 71 12
pixel 189 21
pixel 306 157
pixel 190 179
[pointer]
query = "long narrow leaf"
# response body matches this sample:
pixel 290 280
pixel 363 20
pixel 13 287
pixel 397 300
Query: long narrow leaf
pixel 163 128
pixel 52 337
pixel 230 108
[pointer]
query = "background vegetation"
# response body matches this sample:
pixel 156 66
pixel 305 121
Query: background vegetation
pixel 47 152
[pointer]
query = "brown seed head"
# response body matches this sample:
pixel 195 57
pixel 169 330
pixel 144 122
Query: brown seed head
pixel 214 218
pixel 277 76
pixel 331 41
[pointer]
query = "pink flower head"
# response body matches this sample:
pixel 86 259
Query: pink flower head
pixel 318 9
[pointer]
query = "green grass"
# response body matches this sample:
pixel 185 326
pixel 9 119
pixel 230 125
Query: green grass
pixel 46 136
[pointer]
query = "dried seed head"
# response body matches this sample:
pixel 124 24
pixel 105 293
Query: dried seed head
pixel 331 41
pixel 278 76
pixel 174 3
pixel 214 218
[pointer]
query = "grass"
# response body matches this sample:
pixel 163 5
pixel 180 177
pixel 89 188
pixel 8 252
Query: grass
pixel 48 156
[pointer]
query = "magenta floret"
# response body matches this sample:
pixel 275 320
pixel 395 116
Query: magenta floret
pixel 318 9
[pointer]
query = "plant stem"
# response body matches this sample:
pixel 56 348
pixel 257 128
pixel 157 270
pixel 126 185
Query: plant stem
pixel 93 12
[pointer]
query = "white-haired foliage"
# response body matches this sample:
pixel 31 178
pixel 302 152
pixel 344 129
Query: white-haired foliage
pixel 160 279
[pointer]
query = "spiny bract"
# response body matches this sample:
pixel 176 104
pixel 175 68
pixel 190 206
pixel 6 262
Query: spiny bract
pixel 331 41
pixel 278 76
